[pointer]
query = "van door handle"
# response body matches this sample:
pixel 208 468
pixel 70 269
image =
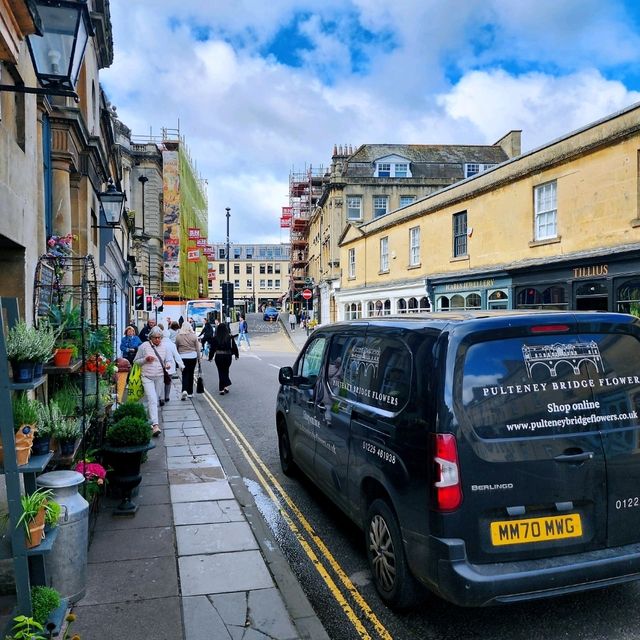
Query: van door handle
pixel 574 457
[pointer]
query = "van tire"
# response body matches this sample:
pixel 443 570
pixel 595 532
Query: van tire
pixel 284 449
pixel 385 554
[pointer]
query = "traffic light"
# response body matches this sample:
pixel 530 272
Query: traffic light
pixel 227 295
pixel 149 303
pixel 138 295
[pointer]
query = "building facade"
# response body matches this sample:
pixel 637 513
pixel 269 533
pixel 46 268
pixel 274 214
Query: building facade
pixel 556 228
pixel 259 273
pixel 369 183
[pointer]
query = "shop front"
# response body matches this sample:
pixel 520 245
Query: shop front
pixel 457 294
pixel 611 284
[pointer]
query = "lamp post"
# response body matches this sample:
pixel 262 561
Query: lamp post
pixel 57 47
pixel 143 180
pixel 228 311
pixel 111 206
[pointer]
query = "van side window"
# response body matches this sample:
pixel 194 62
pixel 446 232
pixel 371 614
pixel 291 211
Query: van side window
pixel 311 361
pixel 386 373
pixel 342 371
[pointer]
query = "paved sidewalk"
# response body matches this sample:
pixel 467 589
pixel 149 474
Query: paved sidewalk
pixel 188 565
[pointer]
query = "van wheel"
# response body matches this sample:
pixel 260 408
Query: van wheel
pixel 385 552
pixel 286 457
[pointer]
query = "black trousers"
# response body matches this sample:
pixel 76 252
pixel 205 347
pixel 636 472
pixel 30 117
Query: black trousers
pixel 223 363
pixel 187 374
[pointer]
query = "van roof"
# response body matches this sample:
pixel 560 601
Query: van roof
pixel 441 318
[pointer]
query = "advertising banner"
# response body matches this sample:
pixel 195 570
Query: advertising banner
pixel 193 254
pixel 171 216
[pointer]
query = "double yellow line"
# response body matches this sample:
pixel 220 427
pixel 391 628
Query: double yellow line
pixel 270 484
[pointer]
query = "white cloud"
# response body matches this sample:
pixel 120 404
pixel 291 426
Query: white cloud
pixel 430 74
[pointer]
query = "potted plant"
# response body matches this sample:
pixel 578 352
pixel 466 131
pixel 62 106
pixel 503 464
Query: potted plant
pixel 49 416
pixel 22 350
pixel 33 515
pixel 130 408
pixel 66 432
pixel 44 346
pixel 126 442
pixel 44 601
pixel 25 419
pixel 65 352
pixel 66 397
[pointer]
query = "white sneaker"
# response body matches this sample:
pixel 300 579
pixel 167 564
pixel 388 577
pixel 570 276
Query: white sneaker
pixel 184 395
pixel 190 395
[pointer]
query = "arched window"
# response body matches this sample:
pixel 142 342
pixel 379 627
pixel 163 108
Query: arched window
pixel 387 307
pixel 378 307
pixel 402 306
pixel 473 301
pixel 443 303
pixel 553 297
pixel 371 308
pixel 528 297
pixel 629 298
pixel 424 304
pixel 457 301
pixel 413 305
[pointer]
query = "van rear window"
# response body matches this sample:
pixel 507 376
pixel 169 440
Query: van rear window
pixel 551 384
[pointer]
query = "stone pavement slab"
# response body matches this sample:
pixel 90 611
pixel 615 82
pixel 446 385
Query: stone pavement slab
pixel 214 490
pixel 157 619
pixel 186 462
pixel 113 546
pixel 207 512
pixel 223 573
pixel 156 515
pixel 219 537
pixel 127 580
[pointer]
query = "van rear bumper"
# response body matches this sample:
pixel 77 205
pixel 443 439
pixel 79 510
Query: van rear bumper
pixel 474 585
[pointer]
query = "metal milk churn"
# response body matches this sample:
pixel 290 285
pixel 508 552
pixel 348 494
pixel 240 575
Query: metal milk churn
pixel 66 564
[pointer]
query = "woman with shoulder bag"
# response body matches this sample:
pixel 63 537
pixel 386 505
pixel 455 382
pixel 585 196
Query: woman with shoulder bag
pixel 223 346
pixel 188 347
pixel 152 358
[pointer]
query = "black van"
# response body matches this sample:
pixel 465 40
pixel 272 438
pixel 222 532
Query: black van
pixel 490 456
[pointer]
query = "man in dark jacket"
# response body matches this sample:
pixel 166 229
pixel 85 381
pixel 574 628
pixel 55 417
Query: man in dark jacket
pixel 206 335
pixel 144 333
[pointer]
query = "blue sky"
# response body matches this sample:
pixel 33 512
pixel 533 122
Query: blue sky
pixel 261 89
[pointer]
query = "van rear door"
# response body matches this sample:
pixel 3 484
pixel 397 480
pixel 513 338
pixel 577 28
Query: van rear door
pixel 617 394
pixel 531 461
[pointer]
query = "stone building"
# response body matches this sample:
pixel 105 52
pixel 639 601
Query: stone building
pixel 557 227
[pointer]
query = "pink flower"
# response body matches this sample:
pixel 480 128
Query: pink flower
pixel 91 470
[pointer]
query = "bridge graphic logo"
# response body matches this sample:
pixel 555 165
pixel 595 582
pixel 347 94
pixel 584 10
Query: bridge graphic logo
pixel 551 355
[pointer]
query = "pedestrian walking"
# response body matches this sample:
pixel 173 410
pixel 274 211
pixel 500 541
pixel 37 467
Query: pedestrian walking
pixel 174 360
pixel 223 347
pixel 152 358
pixel 243 329
pixel 206 334
pixel 144 333
pixel 188 347
pixel 173 331
pixel 292 320
pixel 129 344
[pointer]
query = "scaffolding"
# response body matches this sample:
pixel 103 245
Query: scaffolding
pixel 305 189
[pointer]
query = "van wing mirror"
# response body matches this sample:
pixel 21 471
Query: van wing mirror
pixel 285 375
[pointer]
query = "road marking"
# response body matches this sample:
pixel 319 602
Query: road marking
pixel 262 473
pixel 275 366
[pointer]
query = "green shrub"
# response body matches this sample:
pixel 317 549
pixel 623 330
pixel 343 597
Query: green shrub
pixel 134 409
pixel 129 432
pixel 43 601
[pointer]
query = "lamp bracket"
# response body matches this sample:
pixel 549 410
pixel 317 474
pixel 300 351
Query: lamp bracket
pixel 19 88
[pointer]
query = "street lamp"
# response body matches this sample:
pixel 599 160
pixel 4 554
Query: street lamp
pixel 62 30
pixel 112 202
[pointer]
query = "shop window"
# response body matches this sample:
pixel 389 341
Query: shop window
pixel 402 306
pixel 424 304
pixel 628 298
pixel 412 306
pixel 473 301
pixel 387 307
pixel 553 297
pixel 498 300
pixel 443 304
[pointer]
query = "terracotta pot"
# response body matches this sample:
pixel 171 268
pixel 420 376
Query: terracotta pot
pixel 36 530
pixel 62 357
pixel 24 441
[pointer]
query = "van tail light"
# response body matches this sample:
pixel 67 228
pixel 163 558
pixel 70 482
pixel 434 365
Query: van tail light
pixel 447 491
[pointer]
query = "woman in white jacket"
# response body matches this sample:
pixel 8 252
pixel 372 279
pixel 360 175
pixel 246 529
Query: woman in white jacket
pixel 152 367
pixel 175 361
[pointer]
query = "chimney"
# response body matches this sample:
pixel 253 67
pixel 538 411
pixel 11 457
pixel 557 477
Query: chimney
pixel 511 143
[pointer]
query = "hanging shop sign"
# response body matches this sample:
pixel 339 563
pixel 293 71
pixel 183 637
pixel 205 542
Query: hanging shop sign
pixel 193 254
pixel 194 233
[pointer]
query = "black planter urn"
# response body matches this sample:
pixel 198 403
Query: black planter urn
pixel 124 473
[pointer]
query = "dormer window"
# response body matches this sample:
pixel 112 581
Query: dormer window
pixel 473 168
pixel 392 167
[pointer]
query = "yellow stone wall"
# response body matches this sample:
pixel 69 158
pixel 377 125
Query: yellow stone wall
pixel 596 170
